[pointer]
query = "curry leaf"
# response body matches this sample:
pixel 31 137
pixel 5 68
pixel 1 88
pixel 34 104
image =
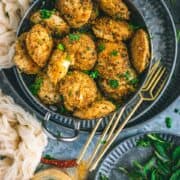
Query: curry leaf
pixel 176 153
pixel 175 175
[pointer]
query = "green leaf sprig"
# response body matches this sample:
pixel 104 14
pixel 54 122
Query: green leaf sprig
pixel 164 164
pixel 46 14
pixel 35 87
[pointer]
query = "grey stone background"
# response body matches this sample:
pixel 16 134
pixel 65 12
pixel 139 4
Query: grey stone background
pixel 71 150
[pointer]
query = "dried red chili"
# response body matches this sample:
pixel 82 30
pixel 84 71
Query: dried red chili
pixel 60 163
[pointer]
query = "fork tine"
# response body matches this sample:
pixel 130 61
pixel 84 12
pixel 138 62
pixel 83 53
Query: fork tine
pixel 112 139
pixel 155 76
pixel 154 85
pixel 163 70
pixel 102 138
pixel 89 141
pixel 116 123
pixel 151 74
pixel 160 88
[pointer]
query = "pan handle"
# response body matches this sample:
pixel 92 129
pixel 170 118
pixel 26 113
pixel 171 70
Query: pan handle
pixel 53 136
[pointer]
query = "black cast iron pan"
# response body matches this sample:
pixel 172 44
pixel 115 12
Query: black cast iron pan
pixel 48 112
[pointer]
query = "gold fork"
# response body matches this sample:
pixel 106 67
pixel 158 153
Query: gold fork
pixel 147 93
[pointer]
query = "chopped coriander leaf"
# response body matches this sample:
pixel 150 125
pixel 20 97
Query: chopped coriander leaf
pixel 74 37
pixel 134 27
pixel 127 75
pixel 62 109
pixel 176 110
pixel 134 81
pixel 46 14
pixel 114 53
pixel 168 122
pixel 175 175
pixel 103 177
pixel 94 74
pixel 176 153
pixel 59 134
pixel 123 170
pixel 86 71
pixel 103 141
pixel 35 87
pixel 178 35
pixel 156 138
pixel 61 47
pixel 143 143
pixel 113 83
pixel 47 156
pixel 101 47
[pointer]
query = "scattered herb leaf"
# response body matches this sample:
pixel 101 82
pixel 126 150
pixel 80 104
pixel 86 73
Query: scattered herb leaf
pixel 61 47
pixel 59 133
pixel 114 53
pixel 35 87
pixel 74 37
pixel 113 83
pixel 46 14
pixel 134 27
pixel 103 141
pixel 103 177
pixel 101 47
pixel 175 175
pixel 143 143
pixel 178 35
pixel 176 153
pixel 94 74
pixel 47 156
pixel 134 81
pixel 168 122
pixel 177 110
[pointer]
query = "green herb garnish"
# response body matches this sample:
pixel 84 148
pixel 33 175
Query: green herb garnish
pixel 101 47
pixel 176 110
pixel 93 74
pixel 176 153
pixel 114 53
pixel 62 109
pixel 143 143
pixel 47 156
pixel 134 81
pixel 74 37
pixel 164 164
pixel 35 87
pixel 128 76
pixel 103 141
pixel 103 177
pixel 178 35
pixel 59 133
pixel 61 47
pixel 46 14
pixel 168 122
pixel 113 83
pixel 134 27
